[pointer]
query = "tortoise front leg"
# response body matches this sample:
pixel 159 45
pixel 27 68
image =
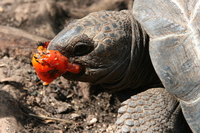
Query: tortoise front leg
pixel 154 110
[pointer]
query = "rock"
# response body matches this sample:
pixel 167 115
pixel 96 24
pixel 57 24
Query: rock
pixel 1 9
pixel 14 91
pixel 10 114
pixel 62 106
pixel 91 119
pixel 58 131
pixel 75 116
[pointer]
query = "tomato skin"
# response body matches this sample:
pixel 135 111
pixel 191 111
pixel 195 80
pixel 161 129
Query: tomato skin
pixel 50 64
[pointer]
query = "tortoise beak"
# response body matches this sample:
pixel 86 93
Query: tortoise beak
pixel 62 40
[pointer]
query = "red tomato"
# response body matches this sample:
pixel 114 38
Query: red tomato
pixel 50 64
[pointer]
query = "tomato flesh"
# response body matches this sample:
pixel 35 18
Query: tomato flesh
pixel 50 64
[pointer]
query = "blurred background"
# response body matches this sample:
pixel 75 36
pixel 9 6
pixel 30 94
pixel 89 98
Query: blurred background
pixel 47 17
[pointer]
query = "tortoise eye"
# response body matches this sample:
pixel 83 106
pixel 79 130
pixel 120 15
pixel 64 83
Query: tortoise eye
pixel 82 49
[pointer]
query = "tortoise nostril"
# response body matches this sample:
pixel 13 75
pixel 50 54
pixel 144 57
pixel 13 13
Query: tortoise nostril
pixel 82 49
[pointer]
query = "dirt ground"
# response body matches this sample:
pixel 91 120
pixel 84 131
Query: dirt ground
pixel 63 106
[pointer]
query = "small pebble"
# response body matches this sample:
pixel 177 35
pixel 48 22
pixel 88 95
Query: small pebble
pixel 1 9
pixel 62 107
pixel 75 116
pixel 91 119
pixel 58 131
pixel 94 120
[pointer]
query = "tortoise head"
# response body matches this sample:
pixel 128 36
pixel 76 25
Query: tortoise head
pixel 103 45
pixel 100 43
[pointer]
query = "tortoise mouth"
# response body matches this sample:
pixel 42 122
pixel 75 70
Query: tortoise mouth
pixel 87 74
pixel 75 77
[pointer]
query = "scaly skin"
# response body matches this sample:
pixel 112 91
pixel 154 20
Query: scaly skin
pixel 151 111
pixel 110 58
pixel 112 50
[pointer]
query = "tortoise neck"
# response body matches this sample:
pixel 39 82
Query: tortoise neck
pixel 138 70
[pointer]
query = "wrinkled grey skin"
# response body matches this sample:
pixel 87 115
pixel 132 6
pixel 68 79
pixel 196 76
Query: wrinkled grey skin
pixel 112 49
pixel 114 57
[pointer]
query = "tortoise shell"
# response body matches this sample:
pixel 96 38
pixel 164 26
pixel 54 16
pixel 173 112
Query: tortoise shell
pixel 173 27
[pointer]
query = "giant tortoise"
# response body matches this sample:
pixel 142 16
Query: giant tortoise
pixel 117 50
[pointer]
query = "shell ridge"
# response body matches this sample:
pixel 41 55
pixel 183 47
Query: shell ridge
pixel 191 19
pixel 169 36
pixel 195 11
pixel 181 8
pixel 193 101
